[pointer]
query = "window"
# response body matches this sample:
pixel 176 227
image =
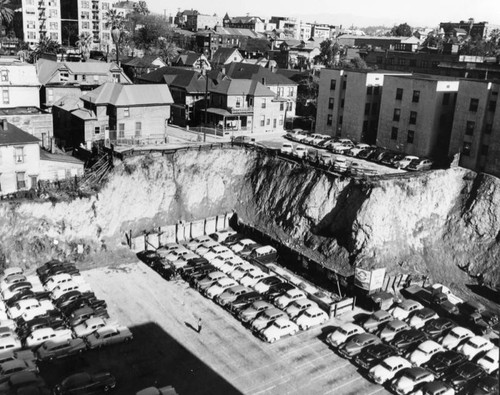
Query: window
pixel 344 84
pixel 19 154
pixel 105 6
pixel 365 126
pixel 238 102
pixel 394 133
pixel 466 148
pixel 97 130
pixel 469 128
pixel 399 94
pixel 275 121
pixel 34 182
pixel 63 76
pixel 413 117
pixel 290 91
pixel 446 99
pixel 484 149
pixel 121 130
pixel 268 121
pixel 491 105
pixel 331 101
pixel 416 97
pixel 379 60
pixel 53 26
pixel 333 84
pixel 374 108
pixel 367 108
pixel 138 129
pixel 411 135
pixel 341 119
pixel 4 75
pixel 5 96
pixel 329 120
pixel 281 119
pixel 282 106
pixel 401 62
pixel 262 120
pixel 21 181
pixel 126 112
pixel 30 24
pixel 85 4
pixel 53 13
pixel 376 90
pixel 369 90
pixel 31 36
pixel 50 95
pixel 263 103
pixel 54 36
pixel 488 128
pixel 473 105
pixel 396 115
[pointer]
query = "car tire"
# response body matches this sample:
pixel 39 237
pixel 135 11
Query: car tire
pixel 106 388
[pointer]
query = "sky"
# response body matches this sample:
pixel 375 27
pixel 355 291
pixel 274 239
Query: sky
pixel 360 13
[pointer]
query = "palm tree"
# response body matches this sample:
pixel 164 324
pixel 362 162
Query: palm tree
pixel 84 43
pixel 117 24
pixel 46 45
pixel 6 12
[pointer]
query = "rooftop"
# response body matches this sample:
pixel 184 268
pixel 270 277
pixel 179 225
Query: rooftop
pixel 188 79
pixel 21 111
pixel 44 155
pixel 129 95
pixel 234 87
pixel 11 135
pixel 248 71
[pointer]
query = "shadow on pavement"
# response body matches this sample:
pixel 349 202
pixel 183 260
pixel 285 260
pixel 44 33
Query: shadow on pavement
pixel 153 358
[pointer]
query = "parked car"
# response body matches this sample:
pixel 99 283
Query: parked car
pixel 366 153
pixel 221 235
pixel 421 164
pixel 293 294
pixel 455 337
pixel 403 163
pixel 424 352
pixel 376 320
pixel 372 355
pixel 406 340
pixel 286 148
pixel 343 333
pixel 53 349
pixel 437 327
pixel 390 158
pixel 300 151
pixel 277 290
pixel 266 318
pixel 10 280
pixel 340 164
pixel 326 159
pixel 357 343
pixel 12 271
pixel 205 247
pixel 475 345
pixel 27 305
pixel 387 369
pixel 313 316
pixel 243 301
pixel 410 379
pixel 219 287
pixel 476 322
pixel 486 385
pixel 354 151
pixel 10 343
pixel 266 283
pixel 442 362
pixel 218 251
pixel 209 280
pixel 420 317
pixel 279 328
pixel 252 311
pixel 403 310
pixel 489 361
pixel 434 388
pixel 88 326
pixel 460 376
pixel 83 314
pixel 241 245
pixel 80 383
pixel 20 380
pixel 231 294
pixel 14 289
pixel 9 368
pixel 298 306
pixel 252 278
pixel 230 264
pixel 108 335
pixel 391 329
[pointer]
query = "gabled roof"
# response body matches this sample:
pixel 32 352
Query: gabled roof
pixel 232 87
pixel 255 45
pixel 223 54
pixel 44 155
pixel 129 95
pixel 12 135
pixel 233 31
pixel 20 74
pixel 187 79
pixel 255 72
pixel 144 62
pixel 188 58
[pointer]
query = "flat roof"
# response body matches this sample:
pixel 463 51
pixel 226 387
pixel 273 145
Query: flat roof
pixel 22 111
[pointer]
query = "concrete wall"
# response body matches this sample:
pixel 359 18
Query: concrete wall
pixel 9 166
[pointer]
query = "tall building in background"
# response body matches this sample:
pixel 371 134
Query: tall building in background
pixel 63 21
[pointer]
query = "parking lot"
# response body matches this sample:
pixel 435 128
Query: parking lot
pixel 224 358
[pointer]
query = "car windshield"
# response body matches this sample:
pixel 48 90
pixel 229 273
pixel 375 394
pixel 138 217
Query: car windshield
pixel 385 365
pixel 488 359
pixel 474 345
pixel 343 331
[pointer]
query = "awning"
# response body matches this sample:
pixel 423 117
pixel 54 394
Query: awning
pixel 219 111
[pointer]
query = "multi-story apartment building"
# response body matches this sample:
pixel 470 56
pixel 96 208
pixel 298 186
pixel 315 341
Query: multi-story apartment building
pixel 19 85
pixel 474 29
pixel 305 31
pixel 245 106
pixel 476 126
pixel 321 31
pixel 349 103
pixel 289 24
pixel 416 114
pixel 63 21
pixel 254 23
pixel 197 21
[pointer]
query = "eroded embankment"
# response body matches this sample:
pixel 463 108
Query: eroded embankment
pixel 430 224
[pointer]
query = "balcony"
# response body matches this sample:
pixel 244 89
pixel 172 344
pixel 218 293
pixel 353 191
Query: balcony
pixel 240 110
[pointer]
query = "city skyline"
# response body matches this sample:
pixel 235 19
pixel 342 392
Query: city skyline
pixel 366 13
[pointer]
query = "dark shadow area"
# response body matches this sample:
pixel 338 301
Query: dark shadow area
pixel 485 292
pixel 191 326
pixel 359 318
pixel 153 358
pixel 325 331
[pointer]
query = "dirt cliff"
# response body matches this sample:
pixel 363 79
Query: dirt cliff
pixel 432 223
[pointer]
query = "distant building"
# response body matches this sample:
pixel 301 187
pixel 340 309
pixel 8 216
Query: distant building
pixel 416 115
pixel 133 113
pixel 192 60
pixel 476 126
pixel 288 24
pixel 349 103
pixel 409 44
pixel 247 22
pixel 138 66
pixel 475 29
pixel 225 56
pixel 193 20
pixel 125 7
pixel 305 31
pixel 60 79
pixel 322 31
pixel 19 85
pixel 33 120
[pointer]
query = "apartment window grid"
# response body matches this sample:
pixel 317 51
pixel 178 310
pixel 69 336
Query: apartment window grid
pixel 31 24
pixel 85 4
pixel 413 117
pixel 394 133
pixel 85 25
pixel 53 13
pixel 469 128
pixel 416 97
pixel 397 115
pixel 31 35
pixel 333 84
pixel 399 94
pixel 53 25
pixel 329 120
pixel 410 137
pixel 474 103
pixel 331 102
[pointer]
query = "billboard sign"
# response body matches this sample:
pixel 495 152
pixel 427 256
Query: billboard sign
pixel 369 280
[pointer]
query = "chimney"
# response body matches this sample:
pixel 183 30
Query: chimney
pixel 5 125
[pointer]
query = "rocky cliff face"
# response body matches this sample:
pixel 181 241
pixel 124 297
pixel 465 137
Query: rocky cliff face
pixel 432 223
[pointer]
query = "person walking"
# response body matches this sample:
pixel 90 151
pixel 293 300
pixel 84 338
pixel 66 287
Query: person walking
pixel 199 325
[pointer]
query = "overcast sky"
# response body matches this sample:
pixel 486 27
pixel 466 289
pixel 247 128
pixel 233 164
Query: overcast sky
pixel 357 12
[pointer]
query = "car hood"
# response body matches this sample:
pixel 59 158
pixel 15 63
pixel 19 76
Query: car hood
pixel 379 371
pixel 404 383
pixel 337 337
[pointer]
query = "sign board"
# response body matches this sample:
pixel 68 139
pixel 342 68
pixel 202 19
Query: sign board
pixel 369 280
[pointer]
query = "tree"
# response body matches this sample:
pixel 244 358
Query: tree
pixel 6 12
pixel 70 30
pixel 355 63
pixel 84 43
pixel 168 51
pixel 141 8
pixel 328 51
pixel 46 45
pixel 402 30
pixel 154 28
pixel 115 21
